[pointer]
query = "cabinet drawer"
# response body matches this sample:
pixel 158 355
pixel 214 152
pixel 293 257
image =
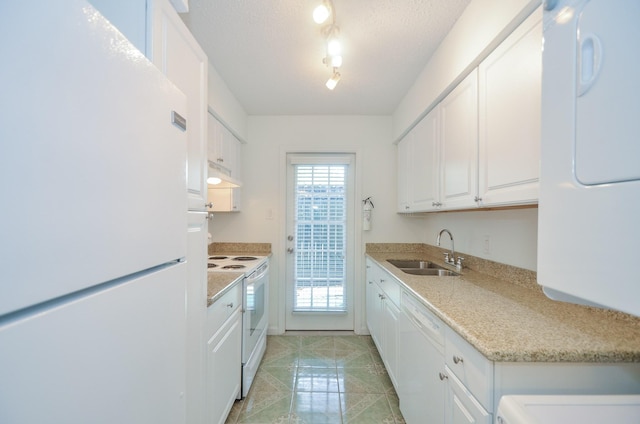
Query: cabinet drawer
pixel 222 309
pixel 390 286
pixel 462 407
pixel 471 367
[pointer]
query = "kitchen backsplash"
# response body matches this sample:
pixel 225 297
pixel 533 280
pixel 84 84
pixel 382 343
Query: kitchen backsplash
pixel 240 248
pixel 520 276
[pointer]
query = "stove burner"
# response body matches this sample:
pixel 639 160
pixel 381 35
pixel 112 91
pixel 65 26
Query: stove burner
pixel 209 265
pixel 218 258
pixel 245 258
pixel 233 267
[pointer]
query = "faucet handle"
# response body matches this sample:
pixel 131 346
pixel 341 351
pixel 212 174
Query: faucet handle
pixel 446 257
pixel 459 261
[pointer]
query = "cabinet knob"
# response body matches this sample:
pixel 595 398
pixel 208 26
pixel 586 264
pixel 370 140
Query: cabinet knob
pixel 230 305
pixel 220 160
pixel 443 376
pixel 457 359
pixel 477 199
pixel 208 205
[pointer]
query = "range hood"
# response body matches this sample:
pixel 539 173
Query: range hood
pixel 219 178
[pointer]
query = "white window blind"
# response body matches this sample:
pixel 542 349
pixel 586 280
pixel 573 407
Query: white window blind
pixel 320 228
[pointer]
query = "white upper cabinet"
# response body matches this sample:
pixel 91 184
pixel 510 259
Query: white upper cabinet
pixel 418 166
pixel 224 149
pixel 437 159
pixel 480 146
pixel 509 112
pixel 403 156
pixel 459 144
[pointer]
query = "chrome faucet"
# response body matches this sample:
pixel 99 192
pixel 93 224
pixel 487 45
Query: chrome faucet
pixel 450 257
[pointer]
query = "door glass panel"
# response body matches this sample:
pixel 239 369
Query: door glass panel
pixel 320 229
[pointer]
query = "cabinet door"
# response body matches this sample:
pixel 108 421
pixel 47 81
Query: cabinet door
pixel 418 166
pixel 424 164
pixel 224 369
pixel 509 117
pixel 459 144
pixel 373 304
pixel 177 54
pixel 403 156
pixel 462 407
pixel 390 317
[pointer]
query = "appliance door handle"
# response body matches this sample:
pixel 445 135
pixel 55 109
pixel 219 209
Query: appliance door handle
pixel 252 278
pixel 589 62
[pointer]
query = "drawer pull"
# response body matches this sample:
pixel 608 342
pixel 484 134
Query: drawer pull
pixel 443 376
pixel 457 359
pixel 230 305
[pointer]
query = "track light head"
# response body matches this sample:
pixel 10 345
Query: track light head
pixel 321 13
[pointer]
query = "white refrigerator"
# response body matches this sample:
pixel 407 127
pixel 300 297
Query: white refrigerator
pixel 92 223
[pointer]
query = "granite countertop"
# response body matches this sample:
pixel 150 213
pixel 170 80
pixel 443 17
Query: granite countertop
pixel 218 283
pixel 509 319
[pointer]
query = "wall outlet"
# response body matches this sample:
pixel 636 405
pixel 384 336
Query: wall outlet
pixel 486 245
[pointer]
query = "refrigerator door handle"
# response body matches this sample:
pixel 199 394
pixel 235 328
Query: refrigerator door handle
pixel 589 62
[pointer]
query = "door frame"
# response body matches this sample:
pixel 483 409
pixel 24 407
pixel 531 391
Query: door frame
pixel 278 287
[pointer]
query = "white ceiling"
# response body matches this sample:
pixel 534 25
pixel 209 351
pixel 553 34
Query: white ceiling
pixel 269 52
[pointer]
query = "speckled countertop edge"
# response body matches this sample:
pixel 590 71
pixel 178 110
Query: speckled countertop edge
pixel 218 283
pixel 509 319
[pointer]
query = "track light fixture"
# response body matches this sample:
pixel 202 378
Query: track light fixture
pixel 333 81
pixel 321 13
pixel 330 31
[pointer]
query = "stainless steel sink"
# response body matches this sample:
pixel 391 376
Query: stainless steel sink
pixel 430 271
pixel 411 263
pixel 418 267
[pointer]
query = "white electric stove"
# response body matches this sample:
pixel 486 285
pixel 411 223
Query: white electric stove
pixel 255 308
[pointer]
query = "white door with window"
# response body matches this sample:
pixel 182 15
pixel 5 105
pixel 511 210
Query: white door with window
pixel 320 242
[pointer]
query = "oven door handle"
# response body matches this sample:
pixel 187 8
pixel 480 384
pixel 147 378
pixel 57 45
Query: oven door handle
pixel 254 276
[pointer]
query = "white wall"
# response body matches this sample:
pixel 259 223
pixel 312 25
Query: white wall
pixel 512 234
pixel 368 136
pixel 225 106
pixel 479 30
pixel 482 26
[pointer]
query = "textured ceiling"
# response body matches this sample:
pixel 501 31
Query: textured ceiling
pixel 269 52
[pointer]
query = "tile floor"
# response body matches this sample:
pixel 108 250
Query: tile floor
pixel 317 379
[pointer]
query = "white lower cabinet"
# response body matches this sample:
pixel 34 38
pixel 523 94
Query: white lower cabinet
pixel 224 352
pixel 442 378
pixel 461 406
pixel 383 312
